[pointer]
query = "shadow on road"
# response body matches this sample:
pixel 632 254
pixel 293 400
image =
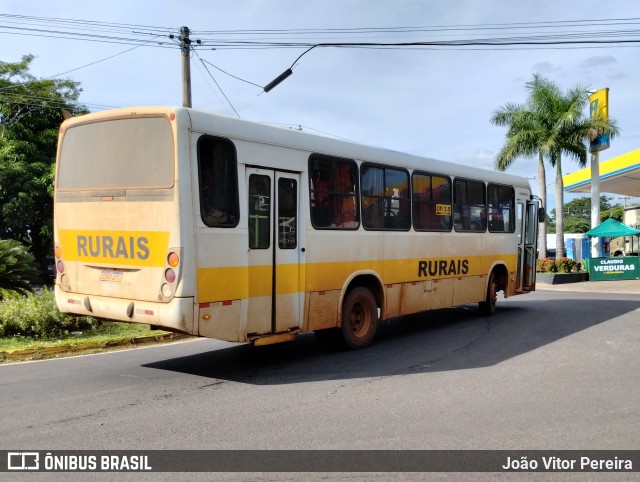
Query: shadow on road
pixel 444 340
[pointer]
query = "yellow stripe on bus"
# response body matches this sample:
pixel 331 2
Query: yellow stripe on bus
pixel 124 248
pixel 240 282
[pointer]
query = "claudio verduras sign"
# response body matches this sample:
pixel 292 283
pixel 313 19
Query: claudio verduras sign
pixel 619 268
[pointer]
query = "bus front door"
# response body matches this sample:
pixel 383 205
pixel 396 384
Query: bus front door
pixel 527 228
pixel 275 298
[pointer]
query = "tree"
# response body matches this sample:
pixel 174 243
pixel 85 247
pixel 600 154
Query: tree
pixel 616 212
pixel 552 123
pixel 577 213
pixel 570 132
pixel 525 134
pixel 17 268
pixel 30 118
pixel 581 207
pixel 576 225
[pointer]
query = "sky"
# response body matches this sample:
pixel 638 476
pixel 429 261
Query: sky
pixel 431 102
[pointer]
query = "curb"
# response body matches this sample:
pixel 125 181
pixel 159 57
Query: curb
pixel 561 278
pixel 42 353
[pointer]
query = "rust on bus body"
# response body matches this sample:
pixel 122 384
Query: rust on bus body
pixel 323 309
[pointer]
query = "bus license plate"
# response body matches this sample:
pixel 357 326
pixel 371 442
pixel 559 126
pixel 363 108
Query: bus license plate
pixel 111 276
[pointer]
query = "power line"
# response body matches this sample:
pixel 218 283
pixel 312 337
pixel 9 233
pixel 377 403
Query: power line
pixel 95 31
pixel 213 89
pixel 93 24
pixel 97 26
pixel 495 26
pixel 587 33
pixel 495 42
pixel 72 34
pixel 230 75
pixel 218 85
pixel 48 102
pixel 102 60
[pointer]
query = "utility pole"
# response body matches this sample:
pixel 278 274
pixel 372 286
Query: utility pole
pixel 595 201
pixel 185 49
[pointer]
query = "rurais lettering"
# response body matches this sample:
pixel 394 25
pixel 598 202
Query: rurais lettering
pixel 120 247
pixel 435 268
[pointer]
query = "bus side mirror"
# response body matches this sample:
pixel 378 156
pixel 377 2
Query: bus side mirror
pixel 541 215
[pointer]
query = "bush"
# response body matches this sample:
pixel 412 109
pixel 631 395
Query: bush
pixel 561 265
pixel 18 268
pixel 565 265
pixel 546 265
pixel 37 316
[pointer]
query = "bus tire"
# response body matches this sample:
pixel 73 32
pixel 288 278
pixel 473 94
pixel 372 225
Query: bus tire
pixel 488 306
pixel 359 318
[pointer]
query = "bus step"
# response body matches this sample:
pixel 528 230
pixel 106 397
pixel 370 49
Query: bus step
pixel 273 339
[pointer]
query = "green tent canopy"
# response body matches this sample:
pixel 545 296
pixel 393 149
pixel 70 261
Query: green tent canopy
pixel 611 229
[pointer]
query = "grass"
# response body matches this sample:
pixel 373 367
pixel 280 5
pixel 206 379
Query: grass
pixel 32 327
pixel 108 331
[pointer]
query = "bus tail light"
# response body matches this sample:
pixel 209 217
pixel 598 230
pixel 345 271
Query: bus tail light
pixel 59 268
pixel 58 263
pixel 171 274
pixel 166 290
pixel 173 259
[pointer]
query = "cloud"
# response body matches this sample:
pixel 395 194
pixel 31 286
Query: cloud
pixel 597 69
pixel 597 61
pixel 544 67
pixel 483 158
pixel 618 75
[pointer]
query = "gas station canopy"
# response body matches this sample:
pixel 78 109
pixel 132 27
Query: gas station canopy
pixel 620 175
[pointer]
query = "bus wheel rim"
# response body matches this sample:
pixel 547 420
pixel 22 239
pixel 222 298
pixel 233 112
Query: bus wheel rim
pixel 358 321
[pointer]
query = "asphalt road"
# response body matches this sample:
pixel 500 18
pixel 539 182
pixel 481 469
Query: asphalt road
pixel 550 370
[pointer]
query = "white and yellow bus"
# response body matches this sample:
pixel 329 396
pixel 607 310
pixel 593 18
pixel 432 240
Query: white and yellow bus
pixel 238 231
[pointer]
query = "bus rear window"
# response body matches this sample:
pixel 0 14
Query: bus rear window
pixel 135 153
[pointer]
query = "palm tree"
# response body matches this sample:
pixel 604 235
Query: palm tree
pixel 18 269
pixel 551 123
pixel 527 130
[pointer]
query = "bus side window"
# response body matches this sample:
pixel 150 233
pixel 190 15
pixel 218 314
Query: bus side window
pixel 259 211
pixel 218 182
pixel 431 202
pixel 501 206
pixel 469 208
pixel 385 197
pixel 333 192
pixel 287 212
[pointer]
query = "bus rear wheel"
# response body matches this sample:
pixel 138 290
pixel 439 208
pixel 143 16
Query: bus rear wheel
pixel 488 306
pixel 359 318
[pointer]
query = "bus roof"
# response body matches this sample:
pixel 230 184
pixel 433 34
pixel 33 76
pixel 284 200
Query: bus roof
pixel 204 121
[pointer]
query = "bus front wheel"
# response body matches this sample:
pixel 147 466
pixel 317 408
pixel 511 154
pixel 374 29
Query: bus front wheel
pixel 359 318
pixel 488 306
